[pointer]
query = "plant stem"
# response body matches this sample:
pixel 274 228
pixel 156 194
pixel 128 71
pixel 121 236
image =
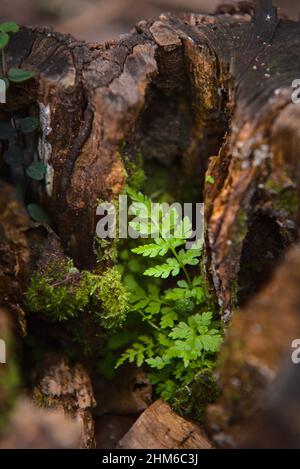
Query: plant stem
pixel 4 69
pixel 154 326
pixel 150 322
pixel 182 266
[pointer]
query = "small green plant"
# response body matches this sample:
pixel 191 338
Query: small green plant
pixel 11 75
pixel 182 337
pixel 61 292
pixel 209 179
pixel 17 130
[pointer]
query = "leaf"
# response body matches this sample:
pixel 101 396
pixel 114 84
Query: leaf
pixel 153 308
pixel 183 284
pixel 4 39
pixel 29 124
pixel 184 229
pixel 211 343
pixel 167 390
pixel 168 319
pixel 37 213
pixel 190 257
pixel 36 171
pixel 14 156
pixel 6 131
pixel 158 362
pixel 164 270
pixel 18 75
pixel 138 197
pixel 169 221
pixel 209 179
pixel 182 331
pixel 175 294
pixel 141 304
pixel 9 27
pixel 158 248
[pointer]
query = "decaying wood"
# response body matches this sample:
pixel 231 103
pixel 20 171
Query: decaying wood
pixel 67 387
pixel 257 350
pixel 130 393
pixel 34 428
pixel 210 91
pixel 161 428
pixel 180 88
pixel 14 256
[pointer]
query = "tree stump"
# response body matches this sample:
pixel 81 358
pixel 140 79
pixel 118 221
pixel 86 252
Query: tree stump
pixel 213 92
pixel 187 87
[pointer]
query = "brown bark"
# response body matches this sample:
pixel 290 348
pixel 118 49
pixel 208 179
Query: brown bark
pixel 176 87
pixel 257 350
pixel 68 388
pixel 34 428
pixel 183 88
pixel 161 428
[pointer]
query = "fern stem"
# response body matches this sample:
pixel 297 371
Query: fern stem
pixel 151 323
pixel 182 266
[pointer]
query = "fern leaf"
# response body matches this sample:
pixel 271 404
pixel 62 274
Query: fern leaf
pixel 164 270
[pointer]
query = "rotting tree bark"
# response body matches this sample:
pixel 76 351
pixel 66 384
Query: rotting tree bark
pixel 259 382
pixel 161 428
pixel 182 88
pixel 186 87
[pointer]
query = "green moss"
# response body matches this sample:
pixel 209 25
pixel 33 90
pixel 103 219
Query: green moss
pixel 135 172
pixel 106 249
pixel 241 227
pixel 234 292
pixel 108 290
pixel 61 292
pixel 283 193
pixel 287 201
pixel 273 186
pixel 192 400
pixel 134 169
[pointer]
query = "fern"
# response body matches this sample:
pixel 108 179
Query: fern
pixel 182 337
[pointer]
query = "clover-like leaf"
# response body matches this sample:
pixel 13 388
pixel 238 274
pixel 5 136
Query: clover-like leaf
pixel 9 27
pixel 4 39
pixel 37 213
pixel 36 170
pixel 18 75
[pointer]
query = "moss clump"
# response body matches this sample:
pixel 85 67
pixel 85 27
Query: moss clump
pixel 113 296
pixel 241 227
pixel 135 171
pixel 284 194
pixel 287 201
pixel 106 249
pixel 61 292
pixel 192 400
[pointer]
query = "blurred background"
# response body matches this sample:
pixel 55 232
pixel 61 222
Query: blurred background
pixel 101 20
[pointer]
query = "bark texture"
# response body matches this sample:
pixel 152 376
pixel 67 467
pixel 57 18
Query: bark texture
pixel 161 428
pixel 212 92
pixel 258 380
pixel 185 88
